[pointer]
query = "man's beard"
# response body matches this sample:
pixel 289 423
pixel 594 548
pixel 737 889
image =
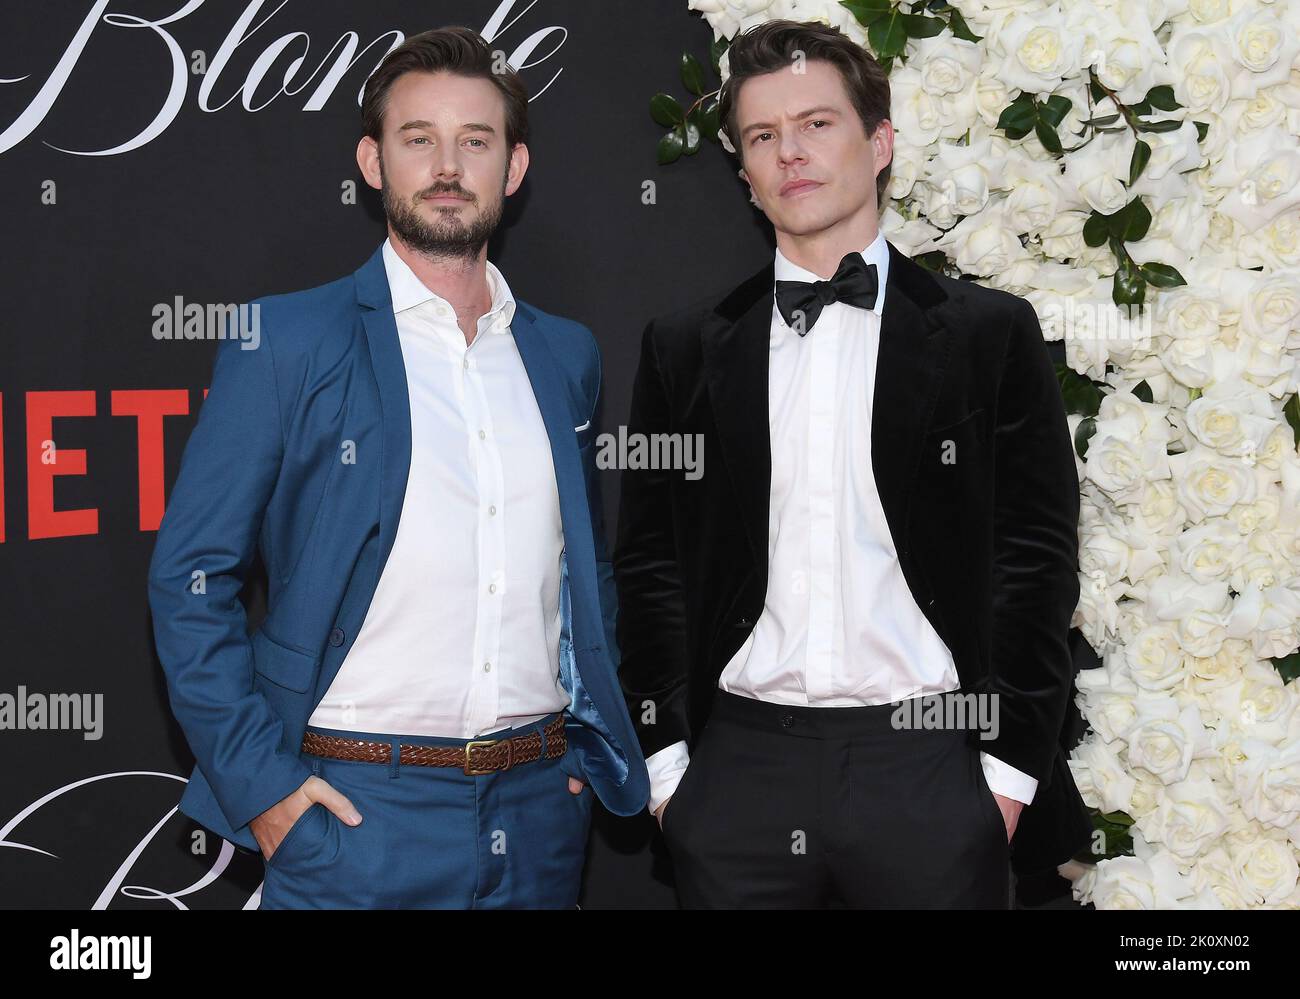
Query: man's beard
pixel 447 236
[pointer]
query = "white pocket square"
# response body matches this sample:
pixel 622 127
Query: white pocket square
pixel 582 428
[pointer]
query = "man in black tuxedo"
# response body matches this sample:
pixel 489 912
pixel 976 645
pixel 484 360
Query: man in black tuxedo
pixel 886 520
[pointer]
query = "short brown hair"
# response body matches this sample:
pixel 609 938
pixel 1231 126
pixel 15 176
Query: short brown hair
pixel 454 49
pixel 773 45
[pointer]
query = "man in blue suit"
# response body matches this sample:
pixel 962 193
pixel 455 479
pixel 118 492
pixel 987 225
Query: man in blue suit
pixel 424 715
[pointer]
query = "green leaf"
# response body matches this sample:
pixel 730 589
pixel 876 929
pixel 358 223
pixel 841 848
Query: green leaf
pixel 918 26
pixel 1143 391
pixel 1054 109
pixel 670 146
pixel 1018 117
pixel 1141 155
pixel 718 47
pixel 1129 288
pixel 935 260
pixel 1103 121
pixel 1159 126
pixel 1131 222
pixel 1082 434
pixel 1162 98
pixel 665 110
pixel 1096 230
pixel 1081 394
pixel 692 135
pixel 1292 412
pixel 866 11
pixel 692 74
pixel 887 35
pixel 958 26
pixel 1288 667
pixel 1162 275
pixel 1201 128
pixel 709 121
pixel 1047 136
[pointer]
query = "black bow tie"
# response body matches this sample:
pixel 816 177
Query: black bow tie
pixel 801 302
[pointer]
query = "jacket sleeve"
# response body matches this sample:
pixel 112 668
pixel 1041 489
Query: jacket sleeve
pixel 205 545
pixel 652 622
pixel 1035 555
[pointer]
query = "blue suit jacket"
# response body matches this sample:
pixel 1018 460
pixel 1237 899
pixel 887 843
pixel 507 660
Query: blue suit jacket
pixel 263 469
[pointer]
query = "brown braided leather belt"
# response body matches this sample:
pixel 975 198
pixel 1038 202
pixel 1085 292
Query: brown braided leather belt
pixel 478 756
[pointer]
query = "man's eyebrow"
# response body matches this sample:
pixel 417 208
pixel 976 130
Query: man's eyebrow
pixel 469 126
pixel 823 109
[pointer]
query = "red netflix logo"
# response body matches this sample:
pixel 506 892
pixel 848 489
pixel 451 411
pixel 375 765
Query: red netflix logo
pixel 46 460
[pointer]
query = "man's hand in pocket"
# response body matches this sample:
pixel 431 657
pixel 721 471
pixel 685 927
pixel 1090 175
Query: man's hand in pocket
pixel 271 826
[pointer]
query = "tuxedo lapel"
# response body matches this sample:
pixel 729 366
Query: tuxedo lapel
pixel 911 359
pixel 910 363
pixel 734 345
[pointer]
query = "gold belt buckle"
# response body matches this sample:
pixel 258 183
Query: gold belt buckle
pixel 469 765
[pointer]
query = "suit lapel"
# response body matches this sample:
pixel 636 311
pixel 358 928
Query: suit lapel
pixel 376 303
pixel 910 364
pixel 553 401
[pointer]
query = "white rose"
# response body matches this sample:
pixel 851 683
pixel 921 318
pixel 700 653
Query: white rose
pixel 1121 467
pixel 1268 783
pixel 1099 172
pixel 1233 417
pixel 1133 883
pixel 1198 611
pixel 1197 61
pixel 1208 674
pixel 1269 618
pixel 1209 485
pixel 1102 780
pixel 1258 707
pixel 1271 309
pixel 1155 659
pixel 1039 51
pixel 1163 739
pixel 1213 873
pixel 1191 817
pixel 1265 870
pixel 1209 552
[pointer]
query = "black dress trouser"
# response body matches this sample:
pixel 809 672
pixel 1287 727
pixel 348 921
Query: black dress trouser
pixel 815 807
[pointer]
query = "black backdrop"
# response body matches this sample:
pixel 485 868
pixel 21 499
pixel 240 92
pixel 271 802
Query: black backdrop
pixel 220 203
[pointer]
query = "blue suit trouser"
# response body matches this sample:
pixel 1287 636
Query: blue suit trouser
pixel 436 837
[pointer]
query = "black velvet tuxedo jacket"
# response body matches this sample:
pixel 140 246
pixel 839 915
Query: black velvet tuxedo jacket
pixel 987 542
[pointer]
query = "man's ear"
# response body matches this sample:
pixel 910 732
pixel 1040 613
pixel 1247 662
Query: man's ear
pixel 518 167
pixel 750 184
pixel 368 161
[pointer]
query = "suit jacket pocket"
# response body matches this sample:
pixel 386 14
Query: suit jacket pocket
pixel 289 668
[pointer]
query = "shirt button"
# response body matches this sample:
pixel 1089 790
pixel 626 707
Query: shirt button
pixel 482 435
pixel 492 511
pixel 487 667
pixel 492 587
pixel 465 364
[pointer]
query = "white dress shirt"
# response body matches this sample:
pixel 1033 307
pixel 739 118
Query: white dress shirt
pixel 462 634
pixel 839 625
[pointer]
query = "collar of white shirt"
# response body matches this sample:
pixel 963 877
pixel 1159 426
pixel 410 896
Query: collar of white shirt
pixel 408 291
pixel 877 253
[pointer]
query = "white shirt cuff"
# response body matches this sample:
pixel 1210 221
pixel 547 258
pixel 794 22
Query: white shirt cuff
pixel 666 768
pixel 1006 780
